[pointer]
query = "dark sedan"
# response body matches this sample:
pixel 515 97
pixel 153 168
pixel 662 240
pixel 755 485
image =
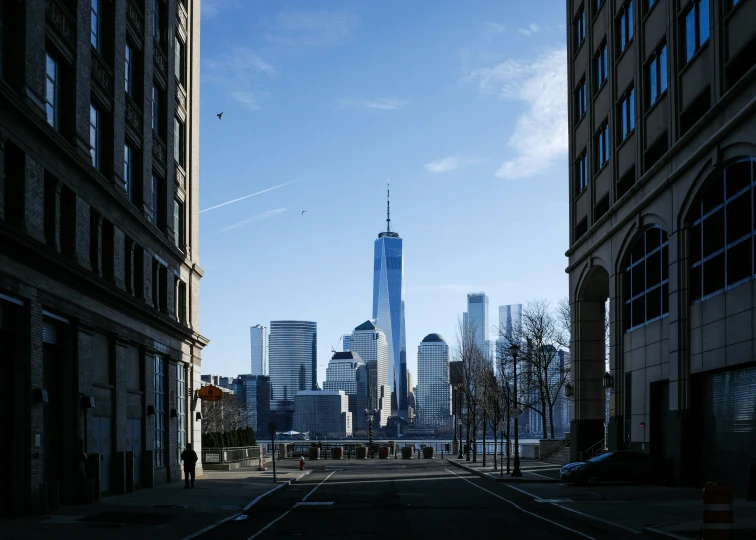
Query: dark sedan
pixel 623 466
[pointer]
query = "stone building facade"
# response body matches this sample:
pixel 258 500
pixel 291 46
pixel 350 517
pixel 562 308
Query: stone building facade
pixel 99 267
pixel 662 142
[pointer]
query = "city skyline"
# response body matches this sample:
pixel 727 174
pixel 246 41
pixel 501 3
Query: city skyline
pixel 442 139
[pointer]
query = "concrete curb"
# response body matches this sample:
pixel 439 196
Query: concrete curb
pixel 504 480
pixel 250 505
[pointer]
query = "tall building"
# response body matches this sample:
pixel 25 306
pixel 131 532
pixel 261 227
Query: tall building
pixel 99 254
pixel 346 371
pixel 433 389
pixel 388 308
pixel 510 324
pixel 477 319
pixel 323 413
pixel 346 342
pixel 292 354
pixel 661 147
pixel 253 397
pixel 369 342
pixel 258 340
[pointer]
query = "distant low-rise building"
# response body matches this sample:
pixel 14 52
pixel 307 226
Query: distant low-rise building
pixel 346 371
pixel 322 413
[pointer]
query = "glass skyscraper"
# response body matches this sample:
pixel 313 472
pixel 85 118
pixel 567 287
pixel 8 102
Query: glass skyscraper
pixel 293 361
pixel 258 340
pixel 388 309
pixel 433 390
pixel 369 342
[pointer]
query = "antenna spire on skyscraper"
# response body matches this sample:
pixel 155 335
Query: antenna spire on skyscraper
pixel 388 205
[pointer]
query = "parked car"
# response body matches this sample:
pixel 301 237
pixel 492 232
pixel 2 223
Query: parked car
pixel 623 466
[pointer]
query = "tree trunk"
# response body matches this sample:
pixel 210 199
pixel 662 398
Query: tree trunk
pixel 551 419
pixel 474 443
pixel 484 439
pixel 544 429
pixel 495 448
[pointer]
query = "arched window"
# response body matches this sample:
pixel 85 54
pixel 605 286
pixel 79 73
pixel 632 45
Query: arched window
pixel 646 279
pixel 722 230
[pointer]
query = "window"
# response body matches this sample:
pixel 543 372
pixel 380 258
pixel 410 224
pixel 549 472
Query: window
pixel 181 301
pixel 67 222
pixel 128 169
pixel 94 24
pixel 155 108
pixel 159 411
pixel 155 284
pixel 178 142
pixel 129 59
pixel 602 67
pixel 581 229
pixel 722 231
pixel 657 75
pixel 94 240
pixel 581 98
pixel 645 279
pixel 582 172
pixel 138 271
pixel 49 203
pixel 94 135
pixel 52 93
pixel 158 201
pixel 696 27
pixel 178 224
pixel 2 37
pixel 625 26
pixel 602 146
pixel 598 5
pixel 159 286
pixel 155 198
pixel 156 18
pixel 579 28
pixel 128 265
pixel 627 114
pixel 181 409
pixel 180 64
pixel 108 249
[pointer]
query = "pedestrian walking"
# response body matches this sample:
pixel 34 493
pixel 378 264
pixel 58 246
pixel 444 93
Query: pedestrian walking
pixel 189 457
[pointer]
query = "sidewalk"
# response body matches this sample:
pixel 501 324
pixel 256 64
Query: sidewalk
pixel 168 511
pixel 651 510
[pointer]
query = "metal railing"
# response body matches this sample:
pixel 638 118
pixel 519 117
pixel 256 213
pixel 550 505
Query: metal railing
pixel 593 451
pixel 230 455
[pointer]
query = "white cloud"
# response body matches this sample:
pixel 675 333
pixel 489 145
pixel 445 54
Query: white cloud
pixel 449 164
pixel 211 8
pixel 246 197
pixel 257 217
pixel 381 104
pixel 540 132
pixel 495 27
pixel 314 28
pixel 238 71
pixel 532 28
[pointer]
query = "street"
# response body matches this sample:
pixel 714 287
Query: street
pixel 400 499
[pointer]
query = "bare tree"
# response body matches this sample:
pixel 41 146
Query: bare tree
pixel 472 359
pixel 505 398
pixel 494 405
pixel 222 416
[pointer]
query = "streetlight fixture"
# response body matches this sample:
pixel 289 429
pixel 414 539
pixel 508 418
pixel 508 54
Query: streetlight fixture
pixel 568 390
pixel 370 414
pixel 514 350
pixel 608 380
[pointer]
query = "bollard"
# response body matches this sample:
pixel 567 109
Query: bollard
pixel 717 513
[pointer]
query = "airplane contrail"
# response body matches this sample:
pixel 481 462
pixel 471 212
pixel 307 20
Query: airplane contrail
pixel 245 197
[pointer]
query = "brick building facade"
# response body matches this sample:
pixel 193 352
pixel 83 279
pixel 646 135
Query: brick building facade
pixel 99 267
pixel 662 141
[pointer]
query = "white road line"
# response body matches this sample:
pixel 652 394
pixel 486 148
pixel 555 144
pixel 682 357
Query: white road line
pixel 250 505
pixel 597 519
pixel 279 518
pixel 541 475
pixel 522 509
pixel 523 491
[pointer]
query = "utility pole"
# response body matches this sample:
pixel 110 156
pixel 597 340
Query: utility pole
pixel 272 430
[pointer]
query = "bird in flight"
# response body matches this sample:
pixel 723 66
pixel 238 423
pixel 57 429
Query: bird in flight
pixel 303 211
pixel 219 115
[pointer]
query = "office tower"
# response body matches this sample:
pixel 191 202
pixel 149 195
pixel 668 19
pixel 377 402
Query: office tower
pixel 510 320
pixel 433 389
pixel 323 413
pixel 253 397
pixel 258 340
pixel 99 254
pixel 369 342
pixel 292 363
pixel 388 308
pixel 346 342
pixel 661 131
pixel 477 319
pixel 346 371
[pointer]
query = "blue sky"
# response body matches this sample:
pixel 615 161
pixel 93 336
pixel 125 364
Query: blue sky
pixel 463 105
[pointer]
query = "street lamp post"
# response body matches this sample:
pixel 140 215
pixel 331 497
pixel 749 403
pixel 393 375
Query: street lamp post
pixel 370 414
pixel 514 351
pixel 459 407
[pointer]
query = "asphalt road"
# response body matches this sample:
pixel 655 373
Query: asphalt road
pixel 400 499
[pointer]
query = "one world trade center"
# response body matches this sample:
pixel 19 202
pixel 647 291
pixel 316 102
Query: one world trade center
pixel 388 310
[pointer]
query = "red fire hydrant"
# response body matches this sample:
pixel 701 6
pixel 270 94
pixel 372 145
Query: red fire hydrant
pixel 301 463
